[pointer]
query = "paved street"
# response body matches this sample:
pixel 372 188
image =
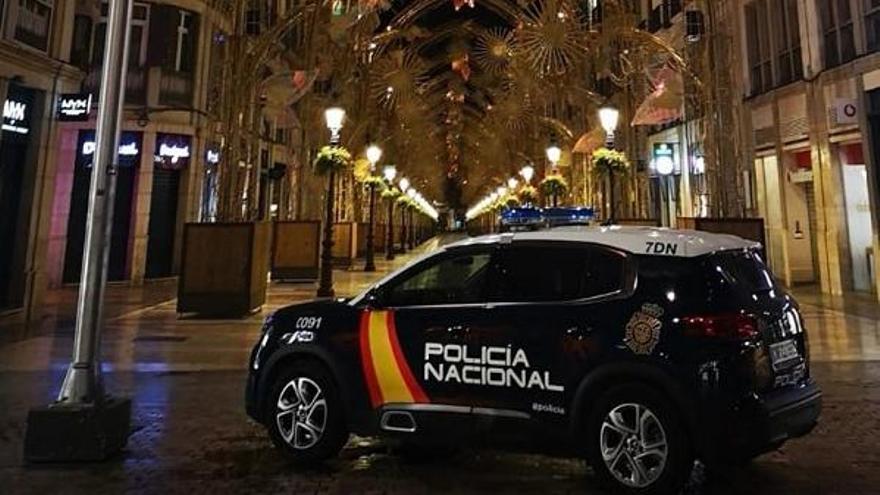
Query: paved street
pixel 192 436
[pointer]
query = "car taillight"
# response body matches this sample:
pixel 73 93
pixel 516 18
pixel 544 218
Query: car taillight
pixel 727 326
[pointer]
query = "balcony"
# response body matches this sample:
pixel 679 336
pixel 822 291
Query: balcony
pixel 135 84
pixel 176 88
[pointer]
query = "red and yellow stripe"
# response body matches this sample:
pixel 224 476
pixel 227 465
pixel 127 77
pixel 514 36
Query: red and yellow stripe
pixel 389 378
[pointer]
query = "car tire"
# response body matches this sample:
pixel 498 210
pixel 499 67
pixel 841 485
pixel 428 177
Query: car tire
pixel 650 456
pixel 304 415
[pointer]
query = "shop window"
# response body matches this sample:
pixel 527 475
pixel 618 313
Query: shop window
pixel 758 45
pixel 872 25
pixel 789 65
pixel 33 21
pixel 837 31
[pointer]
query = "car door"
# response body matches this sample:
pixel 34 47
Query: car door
pixel 555 300
pixel 415 338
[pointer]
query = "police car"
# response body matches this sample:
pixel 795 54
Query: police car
pixel 637 348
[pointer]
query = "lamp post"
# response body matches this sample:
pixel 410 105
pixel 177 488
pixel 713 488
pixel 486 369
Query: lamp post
pixel 412 229
pixel 374 153
pixel 527 173
pixel 390 172
pixel 334 117
pixel 609 117
pixel 554 153
pixel 404 185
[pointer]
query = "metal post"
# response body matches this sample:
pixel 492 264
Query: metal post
pixel 389 240
pixel 84 423
pixel 402 228
pixel 325 287
pixel 370 265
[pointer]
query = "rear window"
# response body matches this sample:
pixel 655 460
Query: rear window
pixel 743 269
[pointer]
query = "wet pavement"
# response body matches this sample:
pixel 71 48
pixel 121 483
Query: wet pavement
pixel 186 378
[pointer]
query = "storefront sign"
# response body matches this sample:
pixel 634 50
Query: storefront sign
pixel 15 117
pixel 125 149
pixel 664 158
pixel 800 175
pixel 173 152
pixel 74 107
pixel 212 157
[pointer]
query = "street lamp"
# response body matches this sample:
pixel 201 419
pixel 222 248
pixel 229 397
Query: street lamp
pixel 390 172
pixel 412 193
pixel 374 153
pixel 512 183
pixel 404 185
pixel 609 117
pixel 334 117
pixel 554 153
pixel 527 173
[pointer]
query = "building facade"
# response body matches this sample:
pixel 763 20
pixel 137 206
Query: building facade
pixel 50 68
pixel 811 124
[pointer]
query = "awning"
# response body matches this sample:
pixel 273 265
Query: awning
pixel 589 141
pixel 664 104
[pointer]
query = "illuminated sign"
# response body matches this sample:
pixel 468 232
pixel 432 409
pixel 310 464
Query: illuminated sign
pixel 664 158
pixel 125 149
pixel 173 151
pixel 212 157
pixel 74 107
pixel 15 117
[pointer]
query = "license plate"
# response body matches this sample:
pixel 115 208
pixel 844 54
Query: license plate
pixel 783 352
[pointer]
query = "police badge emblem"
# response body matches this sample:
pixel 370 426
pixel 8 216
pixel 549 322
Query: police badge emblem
pixel 643 329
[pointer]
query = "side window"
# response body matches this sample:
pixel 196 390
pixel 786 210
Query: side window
pixel 561 273
pixel 454 279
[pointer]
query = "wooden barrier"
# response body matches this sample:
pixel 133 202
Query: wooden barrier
pixel 344 238
pixel 224 267
pixel 296 248
pixel 360 238
pixel 379 237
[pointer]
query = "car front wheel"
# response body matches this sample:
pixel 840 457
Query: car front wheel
pixel 637 444
pixel 305 418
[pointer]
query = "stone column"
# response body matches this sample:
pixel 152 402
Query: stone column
pixel 143 194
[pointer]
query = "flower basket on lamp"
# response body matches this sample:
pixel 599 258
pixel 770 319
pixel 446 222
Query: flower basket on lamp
pixel 528 194
pixel 332 160
pixel 554 185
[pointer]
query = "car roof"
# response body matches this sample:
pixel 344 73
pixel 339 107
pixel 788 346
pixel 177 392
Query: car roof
pixel 658 241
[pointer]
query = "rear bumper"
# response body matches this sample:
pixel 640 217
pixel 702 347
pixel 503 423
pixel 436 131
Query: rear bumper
pixel 761 423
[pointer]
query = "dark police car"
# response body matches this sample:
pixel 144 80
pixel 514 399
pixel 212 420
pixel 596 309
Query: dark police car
pixel 639 349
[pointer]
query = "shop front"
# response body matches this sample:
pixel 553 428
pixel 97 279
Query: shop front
pixel 173 154
pixel 119 266
pixel 19 150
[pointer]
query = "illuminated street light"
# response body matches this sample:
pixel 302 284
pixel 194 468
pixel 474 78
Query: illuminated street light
pixel 404 184
pixel 390 172
pixel 334 117
pixel 527 173
pixel 609 118
pixel 374 154
pixel 554 153
pixel 512 183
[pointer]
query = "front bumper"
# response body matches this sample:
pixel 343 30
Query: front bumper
pixel 761 423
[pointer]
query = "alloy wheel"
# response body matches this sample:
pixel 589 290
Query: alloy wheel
pixel 301 413
pixel 633 445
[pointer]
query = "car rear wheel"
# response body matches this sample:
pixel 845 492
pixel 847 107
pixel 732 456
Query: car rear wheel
pixel 305 415
pixel 636 443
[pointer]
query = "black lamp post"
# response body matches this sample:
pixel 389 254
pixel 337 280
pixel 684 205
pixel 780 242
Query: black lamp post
pixel 334 117
pixel 404 187
pixel 390 172
pixel 608 118
pixel 374 153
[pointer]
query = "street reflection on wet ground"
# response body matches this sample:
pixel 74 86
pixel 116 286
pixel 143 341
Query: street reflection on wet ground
pixel 186 378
